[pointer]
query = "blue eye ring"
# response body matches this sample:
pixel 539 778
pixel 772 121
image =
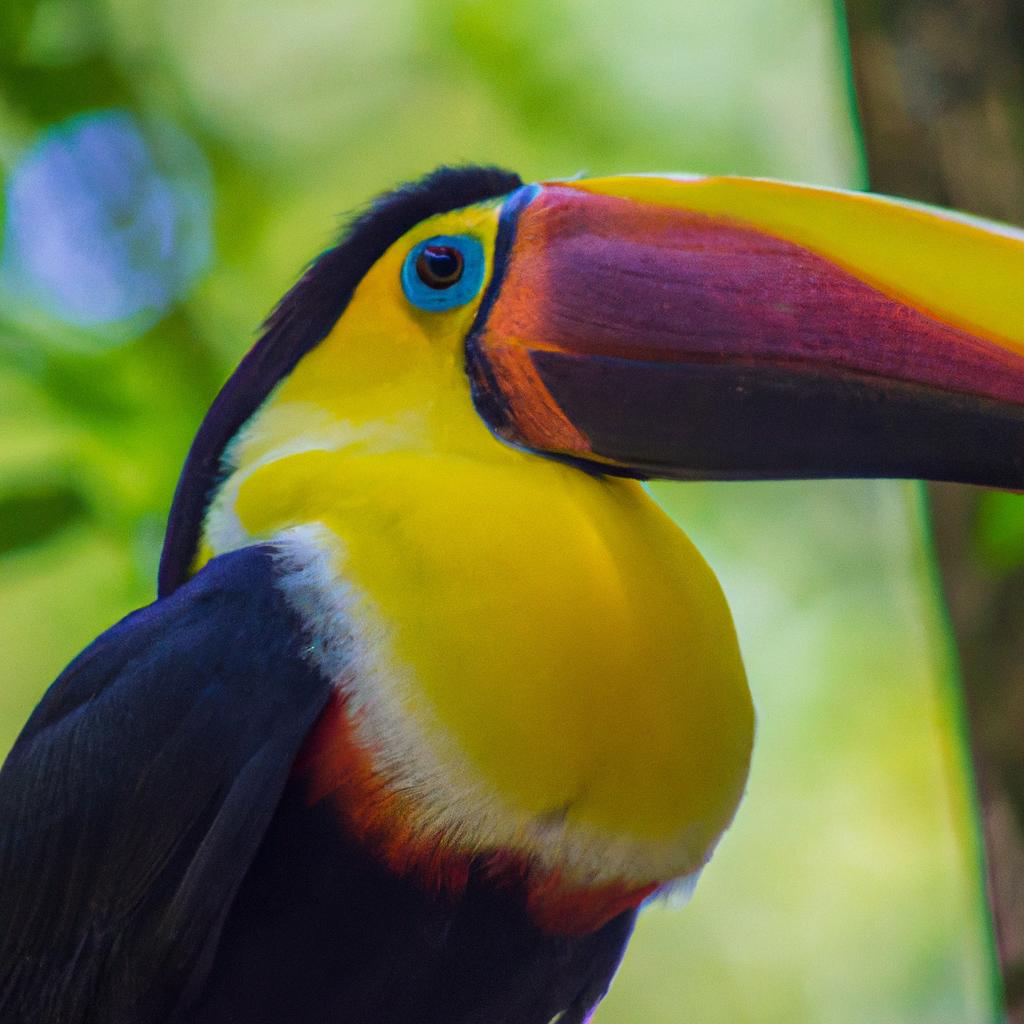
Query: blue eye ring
pixel 443 272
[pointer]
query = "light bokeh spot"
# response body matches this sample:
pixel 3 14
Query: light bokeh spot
pixel 107 222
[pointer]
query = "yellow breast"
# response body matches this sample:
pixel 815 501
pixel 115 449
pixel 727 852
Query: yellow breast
pixel 558 629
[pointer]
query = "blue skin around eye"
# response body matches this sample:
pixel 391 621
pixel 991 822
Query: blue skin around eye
pixel 466 288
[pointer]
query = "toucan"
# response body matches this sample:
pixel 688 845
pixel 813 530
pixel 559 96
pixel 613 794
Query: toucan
pixel 434 697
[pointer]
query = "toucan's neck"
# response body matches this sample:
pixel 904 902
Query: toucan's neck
pixel 543 663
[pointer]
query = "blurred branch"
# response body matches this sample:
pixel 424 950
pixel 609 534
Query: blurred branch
pixel 940 85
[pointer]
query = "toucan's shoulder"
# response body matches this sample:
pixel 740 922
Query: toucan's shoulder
pixel 152 766
pixel 206 624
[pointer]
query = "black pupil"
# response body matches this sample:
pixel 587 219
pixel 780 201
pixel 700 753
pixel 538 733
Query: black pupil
pixel 439 266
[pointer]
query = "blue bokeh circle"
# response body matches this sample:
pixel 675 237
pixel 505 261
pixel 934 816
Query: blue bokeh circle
pixel 107 223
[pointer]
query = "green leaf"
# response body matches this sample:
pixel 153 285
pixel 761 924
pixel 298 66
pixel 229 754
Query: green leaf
pixel 999 530
pixel 15 22
pixel 37 512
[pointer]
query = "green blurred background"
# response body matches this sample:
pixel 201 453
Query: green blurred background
pixel 169 166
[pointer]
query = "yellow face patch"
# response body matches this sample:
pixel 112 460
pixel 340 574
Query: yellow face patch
pixel 388 361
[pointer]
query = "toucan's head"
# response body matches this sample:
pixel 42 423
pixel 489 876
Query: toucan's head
pixel 675 327
pixel 474 368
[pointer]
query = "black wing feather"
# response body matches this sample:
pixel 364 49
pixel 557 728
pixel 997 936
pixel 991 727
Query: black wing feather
pixel 134 800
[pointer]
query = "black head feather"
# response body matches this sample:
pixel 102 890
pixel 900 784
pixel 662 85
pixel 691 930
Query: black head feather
pixel 299 322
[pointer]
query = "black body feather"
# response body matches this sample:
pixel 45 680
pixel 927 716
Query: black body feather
pixel 151 872
pixel 134 801
pixel 352 944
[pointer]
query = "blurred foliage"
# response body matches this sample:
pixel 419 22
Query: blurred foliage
pixel 941 89
pixel 847 890
pixel 1000 530
pixel 848 854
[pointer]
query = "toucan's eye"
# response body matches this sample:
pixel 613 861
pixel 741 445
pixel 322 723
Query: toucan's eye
pixel 439 266
pixel 443 272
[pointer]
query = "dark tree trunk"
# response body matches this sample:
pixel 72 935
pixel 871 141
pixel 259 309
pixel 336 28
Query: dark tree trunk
pixel 940 84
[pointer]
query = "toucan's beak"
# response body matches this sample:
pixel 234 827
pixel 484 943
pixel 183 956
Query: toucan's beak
pixel 733 328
